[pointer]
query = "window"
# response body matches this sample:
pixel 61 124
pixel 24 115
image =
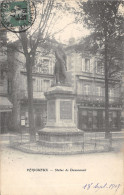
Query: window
pixel 98 91
pixel 45 66
pixel 86 65
pixel 86 119
pixel 41 85
pixel 51 66
pixel 115 119
pixel 38 87
pixel 99 67
pixel 111 95
pixel 42 65
pixel 95 119
pixel 86 89
pixel 46 85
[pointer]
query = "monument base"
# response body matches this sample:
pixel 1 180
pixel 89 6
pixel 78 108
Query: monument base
pixel 60 136
pixel 61 140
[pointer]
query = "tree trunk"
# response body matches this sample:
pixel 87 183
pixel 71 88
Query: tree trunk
pixel 30 98
pixel 107 130
pixel 14 70
pixel 15 123
pixel 122 95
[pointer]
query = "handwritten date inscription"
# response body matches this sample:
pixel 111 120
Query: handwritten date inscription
pixel 99 186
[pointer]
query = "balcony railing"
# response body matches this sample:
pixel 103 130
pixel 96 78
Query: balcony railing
pixel 92 99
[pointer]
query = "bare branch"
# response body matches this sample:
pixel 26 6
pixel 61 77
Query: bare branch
pixel 62 28
pixel 58 18
pixel 115 71
pixel 49 25
pixel 41 30
pixel 50 6
pixel 18 36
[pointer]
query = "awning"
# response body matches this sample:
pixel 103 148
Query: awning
pixel 5 105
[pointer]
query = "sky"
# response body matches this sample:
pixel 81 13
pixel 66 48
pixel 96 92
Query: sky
pixel 65 22
pixel 73 30
pixel 70 29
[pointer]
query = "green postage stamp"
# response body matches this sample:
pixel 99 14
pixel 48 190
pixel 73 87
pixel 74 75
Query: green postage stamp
pixel 18 15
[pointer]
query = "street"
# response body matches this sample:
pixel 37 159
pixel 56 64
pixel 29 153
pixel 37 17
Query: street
pixel 35 174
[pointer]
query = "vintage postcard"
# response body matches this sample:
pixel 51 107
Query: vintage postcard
pixel 61 97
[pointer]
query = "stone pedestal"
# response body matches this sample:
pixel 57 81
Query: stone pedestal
pixel 60 135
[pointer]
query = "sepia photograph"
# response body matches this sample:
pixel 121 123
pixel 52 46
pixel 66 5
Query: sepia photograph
pixel 61 97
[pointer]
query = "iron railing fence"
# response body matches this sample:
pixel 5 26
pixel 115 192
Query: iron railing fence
pixel 91 143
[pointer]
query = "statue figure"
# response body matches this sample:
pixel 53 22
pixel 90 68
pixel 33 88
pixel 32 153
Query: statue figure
pixel 60 66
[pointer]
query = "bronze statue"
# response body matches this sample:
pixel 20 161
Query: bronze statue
pixel 60 66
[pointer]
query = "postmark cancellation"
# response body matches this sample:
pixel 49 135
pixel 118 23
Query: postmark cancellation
pixel 17 15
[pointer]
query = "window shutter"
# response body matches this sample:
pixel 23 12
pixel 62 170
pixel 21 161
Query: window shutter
pixel 83 64
pixel 91 66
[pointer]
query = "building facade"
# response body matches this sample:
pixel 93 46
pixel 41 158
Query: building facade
pixel 5 104
pixel 87 72
pixel 42 79
pixel 86 75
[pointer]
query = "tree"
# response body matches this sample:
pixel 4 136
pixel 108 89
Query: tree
pixel 29 41
pixel 29 46
pixel 106 23
pixel 39 33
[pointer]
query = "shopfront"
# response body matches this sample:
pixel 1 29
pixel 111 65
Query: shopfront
pixel 40 114
pixel 5 114
pixel 93 119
